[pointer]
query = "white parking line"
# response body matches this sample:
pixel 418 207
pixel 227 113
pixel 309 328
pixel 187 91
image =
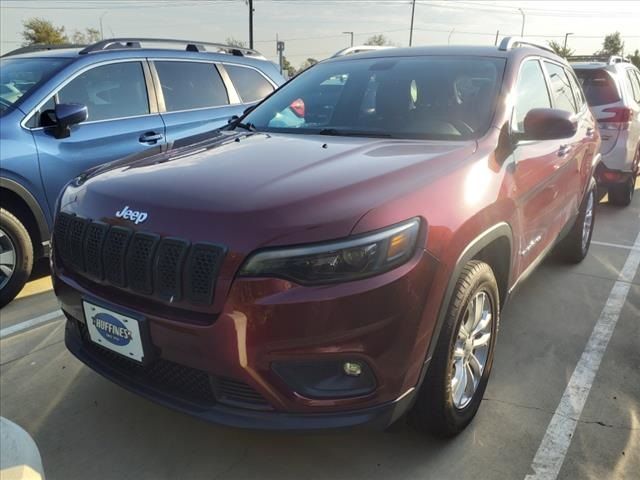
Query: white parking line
pixel 615 245
pixel 555 443
pixel 26 325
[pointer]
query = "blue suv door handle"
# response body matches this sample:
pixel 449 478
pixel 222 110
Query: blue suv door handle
pixel 151 137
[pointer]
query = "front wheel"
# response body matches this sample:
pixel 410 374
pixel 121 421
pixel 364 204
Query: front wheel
pixel 452 390
pixel 16 256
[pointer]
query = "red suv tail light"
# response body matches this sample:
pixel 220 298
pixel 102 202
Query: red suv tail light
pixel 620 120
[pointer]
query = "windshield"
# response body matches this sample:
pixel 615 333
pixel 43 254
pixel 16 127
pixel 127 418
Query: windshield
pixel 441 98
pixel 19 76
pixel 598 86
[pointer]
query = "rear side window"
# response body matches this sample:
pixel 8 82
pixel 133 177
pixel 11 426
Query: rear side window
pixel 635 85
pixel 250 85
pixel 598 86
pixel 561 88
pixel 111 91
pixel 531 92
pixel 577 91
pixel 190 85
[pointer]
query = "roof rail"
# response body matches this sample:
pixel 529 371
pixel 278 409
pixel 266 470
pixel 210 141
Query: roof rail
pixel 39 47
pixel 608 59
pixel 360 49
pixel 189 45
pixel 509 43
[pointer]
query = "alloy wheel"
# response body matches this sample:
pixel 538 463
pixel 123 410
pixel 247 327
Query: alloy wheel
pixel 588 221
pixel 471 350
pixel 7 259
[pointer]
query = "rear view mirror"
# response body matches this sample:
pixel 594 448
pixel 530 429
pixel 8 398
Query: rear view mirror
pixel 549 124
pixel 68 114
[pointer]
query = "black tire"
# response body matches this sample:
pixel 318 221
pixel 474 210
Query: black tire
pixel 621 195
pixel 572 248
pixel 23 248
pixel 434 410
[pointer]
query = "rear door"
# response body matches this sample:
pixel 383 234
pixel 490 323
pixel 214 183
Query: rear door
pixel 573 151
pixel 123 120
pixel 193 98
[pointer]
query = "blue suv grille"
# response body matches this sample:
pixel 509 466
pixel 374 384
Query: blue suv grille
pixel 171 269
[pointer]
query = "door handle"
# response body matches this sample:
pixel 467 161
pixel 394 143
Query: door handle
pixel 150 137
pixel 564 150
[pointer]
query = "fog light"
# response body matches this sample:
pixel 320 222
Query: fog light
pixel 353 369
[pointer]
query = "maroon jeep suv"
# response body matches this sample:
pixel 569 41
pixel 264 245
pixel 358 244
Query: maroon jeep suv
pixel 339 255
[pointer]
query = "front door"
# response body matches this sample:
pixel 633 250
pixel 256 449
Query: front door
pixel 121 122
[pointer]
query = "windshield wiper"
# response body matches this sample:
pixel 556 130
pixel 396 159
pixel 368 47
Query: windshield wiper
pixel 352 133
pixel 245 126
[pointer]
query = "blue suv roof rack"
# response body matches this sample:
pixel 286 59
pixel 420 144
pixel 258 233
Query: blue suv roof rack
pixel 188 45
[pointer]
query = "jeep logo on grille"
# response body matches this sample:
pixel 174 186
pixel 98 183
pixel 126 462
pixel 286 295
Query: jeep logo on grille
pixel 133 215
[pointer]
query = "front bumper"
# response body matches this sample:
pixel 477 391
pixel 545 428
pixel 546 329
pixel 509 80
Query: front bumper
pixel 378 417
pixel 379 321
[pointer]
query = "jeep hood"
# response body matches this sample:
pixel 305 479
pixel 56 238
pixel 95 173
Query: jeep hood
pixel 252 190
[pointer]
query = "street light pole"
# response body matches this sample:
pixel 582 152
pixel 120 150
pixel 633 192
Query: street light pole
pixel 413 12
pixel 523 19
pixel 349 33
pixel 251 24
pixel 566 35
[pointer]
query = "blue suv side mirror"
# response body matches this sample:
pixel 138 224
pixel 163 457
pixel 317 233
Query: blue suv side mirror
pixel 68 114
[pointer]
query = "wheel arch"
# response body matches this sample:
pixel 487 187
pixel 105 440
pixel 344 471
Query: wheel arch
pixel 21 203
pixel 487 247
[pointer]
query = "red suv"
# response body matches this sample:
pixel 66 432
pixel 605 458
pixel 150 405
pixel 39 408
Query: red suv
pixel 340 254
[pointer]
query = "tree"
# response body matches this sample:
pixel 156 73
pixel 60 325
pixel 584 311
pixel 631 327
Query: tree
pixel 635 58
pixel 308 63
pixel 39 30
pixel 379 40
pixel 560 49
pixel 235 42
pixel 287 68
pixel 90 35
pixel 612 45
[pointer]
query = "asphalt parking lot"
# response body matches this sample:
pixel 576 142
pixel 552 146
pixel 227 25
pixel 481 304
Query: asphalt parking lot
pixel 86 427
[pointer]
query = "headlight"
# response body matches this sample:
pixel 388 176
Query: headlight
pixel 338 261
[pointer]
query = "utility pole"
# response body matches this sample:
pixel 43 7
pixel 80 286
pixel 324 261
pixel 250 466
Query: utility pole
pixel 566 35
pixel 349 33
pixel 523 20
pixel 497 35
pixel 280 50
pixel 251 24
pixel 413 12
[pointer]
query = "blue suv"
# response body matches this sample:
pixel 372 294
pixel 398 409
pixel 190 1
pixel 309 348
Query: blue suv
pixel 66 110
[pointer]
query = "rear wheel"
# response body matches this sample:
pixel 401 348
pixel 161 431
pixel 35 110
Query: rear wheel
pixel 575 246
pixel 459 371
pixel 16 256
pixel 621 195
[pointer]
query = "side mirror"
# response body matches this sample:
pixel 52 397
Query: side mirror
pixel 68 114
pixel 549 124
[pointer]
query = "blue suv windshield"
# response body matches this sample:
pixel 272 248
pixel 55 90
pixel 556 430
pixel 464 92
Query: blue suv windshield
pixel 423 97
pixel 19 76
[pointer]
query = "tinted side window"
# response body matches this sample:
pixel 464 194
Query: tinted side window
pixel 635 86
pixel 111 91
pixel 189 85
pixel 577 91
pixel 561 88
pixel 250 85
pixel 531 92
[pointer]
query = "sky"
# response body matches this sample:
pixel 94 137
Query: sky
pixel 314 28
